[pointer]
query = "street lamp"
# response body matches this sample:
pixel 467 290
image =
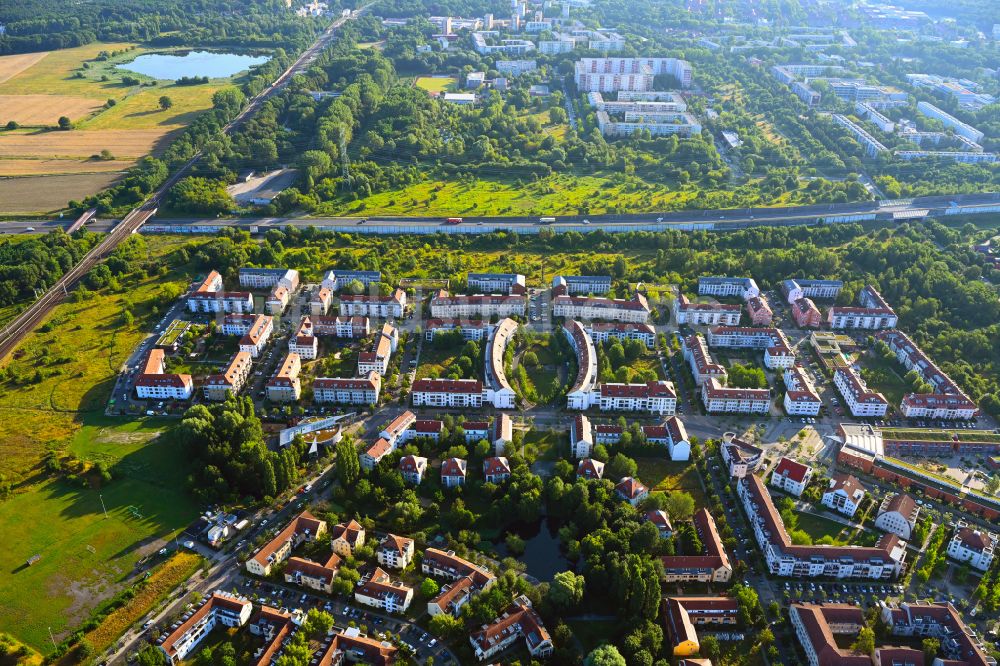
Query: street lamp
pixel 102 505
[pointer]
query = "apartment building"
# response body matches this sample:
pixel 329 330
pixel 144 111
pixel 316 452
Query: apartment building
pixel 638 102
pixel 208 296
pixel 447 393
pixel 518 621
pixel 476 431
pixel 871 114
pixel 266 278
pixel 274 627
pixel 255 338
pixel 496 283
pixel 413 468
pixel 304 527
pixel 581 393
pixel 374 305
pixel 946 401
pixel 348 391
pixel 800 397
pixel 884 561
pixel 337 279
pixel 453 472
pixel 861 401
pixel 496 470
pixel 448 565
pixel 350 328
pixel 898 515
pixel 635 310
pixel 604 331
pixel 713 566
pixel 581 284
pixel 321 301
pixel 515 67
pixel 471 330
pixel 632 490
pixel 656 397
pixel 155 383
pixel 718 398
pixel 314 575
pixel 951 122
pixel 346 537
pixel 844 494
pixel 374 454
pixel 481 42
pixel 974 546
pixel 959 644
pixel 231 380
pixel 657 124
pixel 709 314
pixel 960 156
pixel 797 288
pixel 759 311
pixel 277 300
pixel 377 360
pixel 218 609
pixel 724 286
pixel 479 306
pixel 703 366
pixel 874 312
pixel 497 388
pixel 502 433
pixel 742 458
pixel 791 476
pixel 379 591
pixel 395 552
pixel 581 437
pixel 777 352
pixel 285 386
pixel 303 342
pixel 872 146
pixel 592 74
pixel 817 625
pixel 806 314
pixel 682 616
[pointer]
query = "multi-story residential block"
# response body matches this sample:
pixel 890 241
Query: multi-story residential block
pixel 351 328
pixel 800 397
pixel 711 314
pixel 481 41
pixel 348 391
pixel 285 386
pixel 659 519
pixel 444 306
pixel 379 591
pixel 155 383
pixel 453 471
pixel 424 429
pixel 274 626
pixel 683 614
pixel 515 67
pixel 395 431
pixel 277 300
pixel 817 625
pixel 713 566
pixel 374 454
pixel 759 311
pixel 604 331
pixel 951 122
pixel 581 437
pixel 303 342
pixel 806 314
pixel 633 74
pixel 218 609
pixel 231 380
pixel 384 344
pixel 581 393
pixel 496 283
pixel 884 561
pixel 872 115
pixel 502 434
pixel 874 312
pixel 657 124
pixel 467 579
pixel 744 287
pixel 519 620
pixel 974 546
pixel 946 401
pixel 497 389
pixel 742 458
pixel 960 156
pixel 631 490
pixel 791 476
pixel 634 310
pixel 588 468
pixel 336 279
pixel 672 435
pixel 264 278
pixel 257 334
pixel 346 537
pixel 703 366
pixel 959 643
pixel 496 470
pixel 858 398
pixel 796 288
pixel 638 102
pixel 898 515
pixel 476 431
pixel 721 399
pixel 471 330
pixel 395 552
pixel 872 146
pixel 581 284
pixel 321 301
pixel 304 527
pixel 844 494
pixel 777 352
pixel 314 575
pixel 208 296
pixel 413 468
pixel 656 397
pixel 447 393
pixel 555 46
pixel 374 305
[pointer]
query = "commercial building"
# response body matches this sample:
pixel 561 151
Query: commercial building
pixel 791 476
pixel 635 310
pixel 379 591
pixel 744 287
pixel 444 306
pixel 447 393
pixel 710 314
pixel 285 386
pixel 155 383
pixel 861 401
pixel 844 494
pixel 973 545
pixel 348 391
pixel 884 561
pixel 898 515
pixel 777 352
pixel 874 312
pixel 496 283
pixel 946 401
pixel 373 305
pixel 304 527
pixel 497 388
pixel 218 609
pixel 231 380
pixel 800 397
pixel 713 566
pixel 519 620
pixel 208 296
pixel 721 399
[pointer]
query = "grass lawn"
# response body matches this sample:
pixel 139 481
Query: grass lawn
pixel 436 84
pixel 818 527
pixel 592 633
pixel 435 362
pixel 667 475
pixel 550 445
pixel 890 382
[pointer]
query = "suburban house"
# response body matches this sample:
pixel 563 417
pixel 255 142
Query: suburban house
pixel 844 494
pixel 302 528
pixel 218 609
pixel 712 566
pixel 631 490
pixel 379 591
pixel 588 468
pixel 791 476
pixel 395 552
pixel 453 472
pixel 496 470
pixel 519 620
pixel 345 537
pixel 154 383
pixel 898 515
pixel 413 468
pixel 284 386
pixel 974 546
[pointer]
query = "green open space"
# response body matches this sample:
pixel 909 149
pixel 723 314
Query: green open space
pixel 436 84
pixel 818 527
pixel 593 633
pixel 883 375
pixel 662 474
pixel 434 362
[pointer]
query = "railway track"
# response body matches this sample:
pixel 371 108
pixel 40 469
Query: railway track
pixel 12 334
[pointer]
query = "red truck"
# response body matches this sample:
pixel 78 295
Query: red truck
pixel 453 220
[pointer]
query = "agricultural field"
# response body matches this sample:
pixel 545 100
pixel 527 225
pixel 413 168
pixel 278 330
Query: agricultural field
pixel 436 84
pixel 43 193
pixel 45 110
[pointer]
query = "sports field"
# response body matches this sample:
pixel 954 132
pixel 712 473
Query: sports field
pixel 436 84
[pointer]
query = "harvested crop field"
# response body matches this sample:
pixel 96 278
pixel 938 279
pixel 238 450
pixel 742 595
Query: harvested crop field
pixel 12 65
pixel 122 143
pixel 45 109
pixel 42 194
pixel 40 167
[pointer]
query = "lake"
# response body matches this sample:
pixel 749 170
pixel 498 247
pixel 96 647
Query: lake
pixel 172 66
pixel 542 555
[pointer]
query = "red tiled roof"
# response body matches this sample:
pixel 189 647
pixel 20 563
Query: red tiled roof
pixel 791 469
pixel 471 386
pixel 453 467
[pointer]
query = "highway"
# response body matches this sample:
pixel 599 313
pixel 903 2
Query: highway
pixel 12 334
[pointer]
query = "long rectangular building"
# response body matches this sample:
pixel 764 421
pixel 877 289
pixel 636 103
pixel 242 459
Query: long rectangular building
pixel 480 306
pixel 703 366
pixel 368 305
pixel 874 313
pixel 498 283
pixel 714 566
pixel 777 352
pixel 710 314
pixel 636 310
pixel 946 401
pixel 447 393
pixel 722 399
pixel 581 284
pixel 862 401
pixel 349 391
pixel 231 380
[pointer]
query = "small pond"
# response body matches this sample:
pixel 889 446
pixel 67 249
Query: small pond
pixel 172 66
pixel 542 555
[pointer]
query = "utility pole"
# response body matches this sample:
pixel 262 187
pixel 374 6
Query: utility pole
pixel 52 638
pixel 102 506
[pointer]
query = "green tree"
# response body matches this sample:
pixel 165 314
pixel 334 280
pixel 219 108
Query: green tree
pixel 445 626
pixel 65 123
pixel 605 655
pixel 710 648
pixel 865 642
pixel 679 505
pixel 566 590
pixel 317 624
pixel 429 588
pixel 931 647
pixel 348 463
pixel 165 102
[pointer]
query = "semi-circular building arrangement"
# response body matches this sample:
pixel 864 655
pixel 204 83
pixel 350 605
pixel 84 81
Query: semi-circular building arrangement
pixel 498 389
pixel 582 391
